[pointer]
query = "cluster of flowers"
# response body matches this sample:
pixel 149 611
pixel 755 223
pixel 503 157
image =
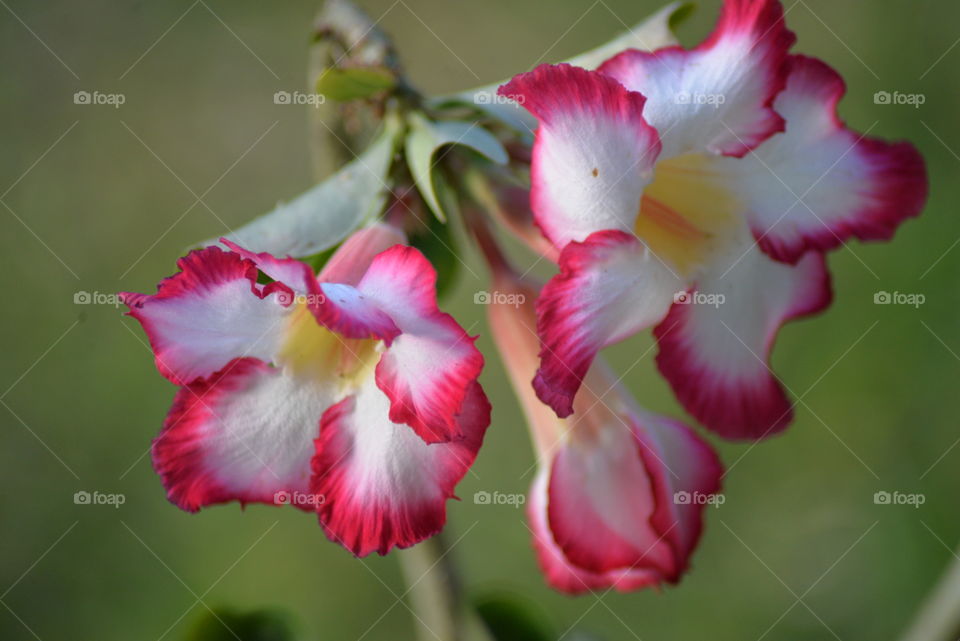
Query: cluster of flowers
pixel 352 385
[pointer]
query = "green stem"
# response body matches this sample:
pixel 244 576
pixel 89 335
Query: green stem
pixel 434 590
pixel 939 615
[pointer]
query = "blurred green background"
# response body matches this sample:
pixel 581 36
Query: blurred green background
pixel 100 199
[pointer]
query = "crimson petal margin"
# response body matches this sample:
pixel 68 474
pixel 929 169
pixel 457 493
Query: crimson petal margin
pixel 820 183
pixel 593 153
pixel 382 486
pixel 717 97
pixel 245 434
pixel 716 358
pixel 209 313
pixel 609 287
pixel 562 575
pixel 339 307
pixel 429 369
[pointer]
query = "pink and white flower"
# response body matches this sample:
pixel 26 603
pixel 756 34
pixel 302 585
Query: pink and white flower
pixel 349 388
pixel 619 498
pixel 723 170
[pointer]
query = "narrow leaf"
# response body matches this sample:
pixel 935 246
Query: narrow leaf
pixel 427 137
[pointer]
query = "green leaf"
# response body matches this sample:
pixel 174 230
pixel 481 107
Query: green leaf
pixel 426 137
pixel 508 618
pixel 326 214
pixel 354 83
pixel 224 624
pixel 496 107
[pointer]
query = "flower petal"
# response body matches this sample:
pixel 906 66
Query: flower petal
pixel 513 328
pixel 339 307
pixel 621 466
pixel 383 487
pixel 209 313
pixel 716 356
pixel 718 96
pixel 349 263
pixel 631 496
pixel 559 572
pixel 601 501
pixel 245 434
pixel 593 153
pixel 350 313
pixel 828 183
pixel 427 371
pixel 609 287
pixel 687 467
pixel 295 274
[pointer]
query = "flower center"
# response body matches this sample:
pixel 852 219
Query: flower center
pixel 310 350
pixel 687 212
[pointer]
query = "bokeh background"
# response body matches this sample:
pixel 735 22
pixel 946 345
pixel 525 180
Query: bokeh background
pixel 100 199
